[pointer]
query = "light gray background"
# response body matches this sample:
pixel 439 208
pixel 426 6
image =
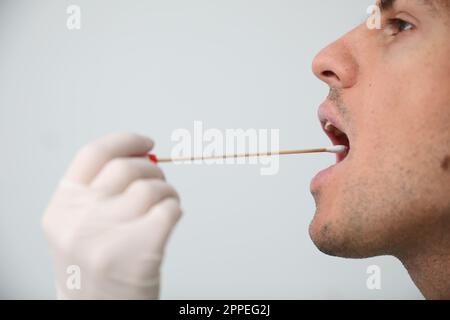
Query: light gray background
pixel 154 66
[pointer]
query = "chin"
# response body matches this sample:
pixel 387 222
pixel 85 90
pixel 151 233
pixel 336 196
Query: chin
pixel 338 238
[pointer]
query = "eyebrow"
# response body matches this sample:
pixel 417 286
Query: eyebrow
pixel 386 5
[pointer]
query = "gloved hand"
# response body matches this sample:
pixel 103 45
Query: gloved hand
pixel 109 221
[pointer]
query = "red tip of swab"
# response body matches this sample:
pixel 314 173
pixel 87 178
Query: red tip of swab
pixel 153 158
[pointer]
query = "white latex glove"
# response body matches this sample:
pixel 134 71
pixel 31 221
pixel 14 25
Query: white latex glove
pixel 111 217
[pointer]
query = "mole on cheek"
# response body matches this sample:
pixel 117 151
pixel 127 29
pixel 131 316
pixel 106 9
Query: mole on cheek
pixel 445 164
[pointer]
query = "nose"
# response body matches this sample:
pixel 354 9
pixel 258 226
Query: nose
pixel 336 65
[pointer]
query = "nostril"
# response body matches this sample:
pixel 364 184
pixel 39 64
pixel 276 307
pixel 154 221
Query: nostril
pixel 330 74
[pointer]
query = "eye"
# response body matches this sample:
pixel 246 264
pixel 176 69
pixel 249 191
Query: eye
pixel 396 26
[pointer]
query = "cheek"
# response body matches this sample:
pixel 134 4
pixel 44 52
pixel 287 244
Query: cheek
pixel 414 91
pixel 398 116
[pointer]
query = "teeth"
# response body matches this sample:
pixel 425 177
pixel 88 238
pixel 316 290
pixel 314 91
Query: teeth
pixel 331 128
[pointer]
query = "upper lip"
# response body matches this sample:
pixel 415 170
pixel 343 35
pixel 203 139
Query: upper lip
pixel 328 114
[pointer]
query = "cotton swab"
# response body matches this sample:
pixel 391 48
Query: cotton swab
pixel 334 149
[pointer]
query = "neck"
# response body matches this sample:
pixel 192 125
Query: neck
pixel 429 267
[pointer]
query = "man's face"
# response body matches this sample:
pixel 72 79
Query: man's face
pixel 391 97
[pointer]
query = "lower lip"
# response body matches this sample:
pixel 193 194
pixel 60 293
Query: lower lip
pixel 320 178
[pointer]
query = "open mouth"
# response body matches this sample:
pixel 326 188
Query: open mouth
pixel 338 137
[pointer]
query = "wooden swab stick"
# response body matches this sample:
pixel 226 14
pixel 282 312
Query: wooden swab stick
pixel 333 149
